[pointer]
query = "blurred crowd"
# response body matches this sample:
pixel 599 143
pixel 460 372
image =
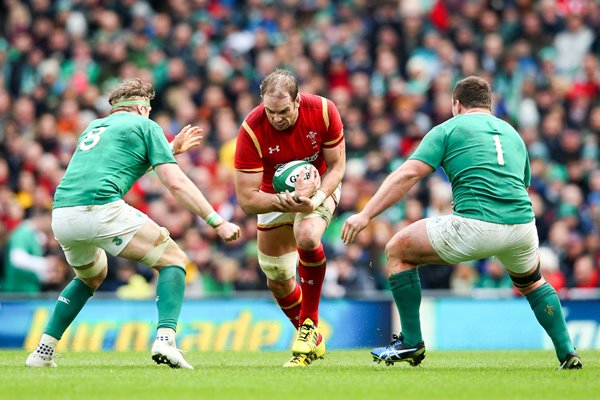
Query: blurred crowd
pixel 389 66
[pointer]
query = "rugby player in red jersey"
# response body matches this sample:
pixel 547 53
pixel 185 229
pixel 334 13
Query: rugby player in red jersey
pixel 291 126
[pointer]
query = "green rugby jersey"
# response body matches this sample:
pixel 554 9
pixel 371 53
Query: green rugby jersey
pixel 112 153
pixel 487 164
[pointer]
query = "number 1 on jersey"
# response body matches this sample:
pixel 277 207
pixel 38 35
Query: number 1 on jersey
pixel 499 151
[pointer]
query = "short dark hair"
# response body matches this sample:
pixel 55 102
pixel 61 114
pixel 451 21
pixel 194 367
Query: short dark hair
pixel 280 81
pixel 473 92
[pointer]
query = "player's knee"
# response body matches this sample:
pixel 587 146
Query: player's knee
pixel 278 268
pixel 308 240
pixel 280 289
pixel 93 274
pixel 155 256
pixel 527 283
pixel 394 248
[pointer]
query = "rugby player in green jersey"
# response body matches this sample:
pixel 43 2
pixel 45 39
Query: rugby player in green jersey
pixel 487 164
pixel 89 217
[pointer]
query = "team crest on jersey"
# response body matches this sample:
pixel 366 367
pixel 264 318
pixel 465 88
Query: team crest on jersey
pixel 312 136
pixel 275 149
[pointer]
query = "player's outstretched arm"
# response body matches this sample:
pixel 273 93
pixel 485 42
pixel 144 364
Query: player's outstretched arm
pixel 393 188
pixel 188 195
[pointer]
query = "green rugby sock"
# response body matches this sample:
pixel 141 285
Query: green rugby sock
pixel 70 301
pixel 169 295
pixel 546 306
pixel 406 289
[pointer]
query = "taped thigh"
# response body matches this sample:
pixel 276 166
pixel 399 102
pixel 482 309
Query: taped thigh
pixel 525 281
pixel 95 269
pixel 278 268
pixel 159 248
pixel 321 212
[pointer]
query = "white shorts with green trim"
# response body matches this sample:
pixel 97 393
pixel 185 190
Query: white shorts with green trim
pixel 457 239
pixel 81 230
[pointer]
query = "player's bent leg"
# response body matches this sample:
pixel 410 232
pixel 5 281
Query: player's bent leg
pixel 308 230
pixel 169 299
pixel 545 303
pixel 94 273
pixel 281 280
pixel 152 246
pixel 405 251
pixel 277 258
pixel 70 302
pixel 409 248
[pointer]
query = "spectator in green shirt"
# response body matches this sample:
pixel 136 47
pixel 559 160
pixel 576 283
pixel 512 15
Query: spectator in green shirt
pixel 25 266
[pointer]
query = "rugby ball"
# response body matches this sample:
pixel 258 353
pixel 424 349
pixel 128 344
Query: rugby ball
pixel 286 175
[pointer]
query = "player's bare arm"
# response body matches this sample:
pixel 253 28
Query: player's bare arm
pixel 250 198
pixel 335 158
pixel 188 195
pixel 393 188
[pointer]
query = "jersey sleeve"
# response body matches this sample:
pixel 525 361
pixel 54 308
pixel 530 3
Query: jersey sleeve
pixel 432 148
pixel 248 157
pixel 333 121
pixel 159 151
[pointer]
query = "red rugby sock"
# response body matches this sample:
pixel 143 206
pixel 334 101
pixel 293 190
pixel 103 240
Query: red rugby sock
pixel 312 274
pixel 291 304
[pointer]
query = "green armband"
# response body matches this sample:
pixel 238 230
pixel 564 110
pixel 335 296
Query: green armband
pixel 214 219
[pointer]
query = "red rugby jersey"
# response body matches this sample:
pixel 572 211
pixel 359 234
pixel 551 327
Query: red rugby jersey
pixel 262 148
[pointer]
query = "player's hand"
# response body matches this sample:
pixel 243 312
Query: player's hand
pixel 188 138
pixel 228 231
pixel 286 202
pixel 309 185
pixel 353 226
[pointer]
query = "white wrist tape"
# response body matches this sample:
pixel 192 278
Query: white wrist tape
pixel 317 199
pixel 295 196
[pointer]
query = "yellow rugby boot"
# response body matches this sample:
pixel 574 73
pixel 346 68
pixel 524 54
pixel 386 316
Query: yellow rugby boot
pixel 307 338
pixel 320 350
pixel 299 360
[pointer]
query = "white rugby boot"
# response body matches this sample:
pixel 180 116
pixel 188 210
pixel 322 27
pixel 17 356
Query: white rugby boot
pixel 43 356
pixel 164 351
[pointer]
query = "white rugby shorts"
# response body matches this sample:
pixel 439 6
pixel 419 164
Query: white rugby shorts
pixel 81 230
pixel 457 239
pixel 275 219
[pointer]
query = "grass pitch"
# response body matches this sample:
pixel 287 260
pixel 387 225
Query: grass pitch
pixel 341 375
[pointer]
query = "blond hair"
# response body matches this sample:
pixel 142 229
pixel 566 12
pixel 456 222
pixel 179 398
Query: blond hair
pixel 130 90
